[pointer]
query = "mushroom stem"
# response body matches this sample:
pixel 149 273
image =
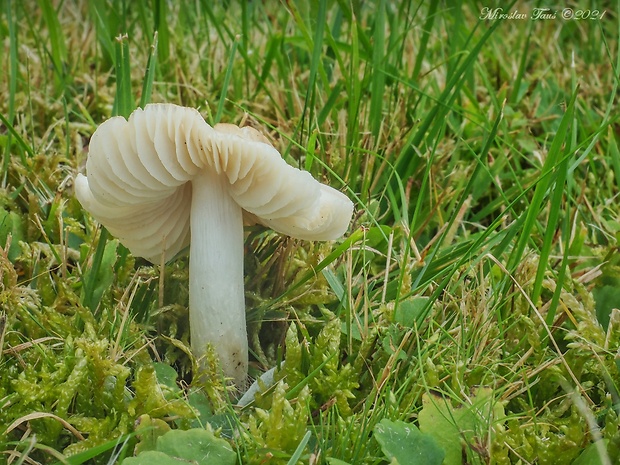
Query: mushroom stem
pixel 216 297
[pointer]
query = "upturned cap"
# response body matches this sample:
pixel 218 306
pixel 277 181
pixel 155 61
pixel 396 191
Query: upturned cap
pixel 139 173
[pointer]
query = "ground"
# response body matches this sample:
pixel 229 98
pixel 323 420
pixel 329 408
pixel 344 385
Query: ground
pixel 469 314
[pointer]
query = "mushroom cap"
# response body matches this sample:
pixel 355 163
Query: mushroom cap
pixel 139 173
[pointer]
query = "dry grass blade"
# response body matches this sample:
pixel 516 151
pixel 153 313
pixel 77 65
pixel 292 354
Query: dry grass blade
pixel 38 415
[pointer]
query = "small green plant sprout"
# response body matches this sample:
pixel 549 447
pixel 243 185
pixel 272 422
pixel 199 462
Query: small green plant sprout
pixel 165 175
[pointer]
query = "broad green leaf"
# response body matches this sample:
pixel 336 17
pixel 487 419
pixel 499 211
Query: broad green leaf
pixel 11 223
pixel 606 291
pixel 404 444
pixel 410 310
pixel 194 446
pixel 200 403
pixel 591 456
pixel 607 297
pixel 197 444
pixel 457 427
pixel 149 430
pixel 167 376
pixel 333 461
pixel 153 457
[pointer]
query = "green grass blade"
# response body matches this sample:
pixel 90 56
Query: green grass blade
pixel 561 189
pixel 13 67
pixel 300 449
pixel 97 10
pixel 345 88
pixel 227 76
pixel 354 238
pixel 295 390
pixel 224 32
pixel 476 245
pixel 542 185
pixel 515 95
pixel 315 63
pixel 22 143
pixel 406 162
pixel 377 87
pixel 149 75
pixel 614 155
pixel 123 103
pixel 426 33
pixel 89 454
pixel 272 54
pixel 13 63
pixel 163 33
pixel 123 106
pixel 334 95
pixel 354 94
pixel 553 220
pixel 58 47
pixel 89 279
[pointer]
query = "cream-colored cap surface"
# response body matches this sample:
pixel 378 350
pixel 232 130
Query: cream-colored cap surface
pixel 139 173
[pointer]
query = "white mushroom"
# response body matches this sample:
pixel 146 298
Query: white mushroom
pixel 165 174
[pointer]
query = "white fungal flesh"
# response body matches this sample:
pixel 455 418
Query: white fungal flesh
pixel 138 184
pixel 216 297
pixel 135 167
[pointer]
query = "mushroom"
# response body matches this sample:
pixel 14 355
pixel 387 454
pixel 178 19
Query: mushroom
pixel 164 175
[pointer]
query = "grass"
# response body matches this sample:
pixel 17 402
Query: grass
pixel 472 305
